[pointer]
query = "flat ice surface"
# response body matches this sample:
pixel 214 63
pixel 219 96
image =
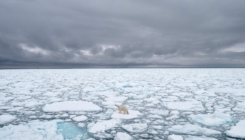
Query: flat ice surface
pixel 186 105
pixel 80 118
pixel 135 128
pixel 198 138
pixel 195 104
pixel 33 130
pixel 71 106
pixel 102 126
pixel 132 114
pixel 123 136
pixel 215 119
pixel 237 131
pixel 175 137
pixel 192 129
pixel 6 118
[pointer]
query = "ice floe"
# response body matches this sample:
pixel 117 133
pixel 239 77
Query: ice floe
pixel 6 118
pixel 193 129
pixel 175 137
pixel 80 118
pixel 215 119
pixel 197 104
pixel 132 114
pixel 159 112
pixel 185 105
pixel 136 127
pixel 199 138
pixel 237 131
pixel 30 131
pixel 102 125
pixel 71 106
pixel 123 136
pixel 116 99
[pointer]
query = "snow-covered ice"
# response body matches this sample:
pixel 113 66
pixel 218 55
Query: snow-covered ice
pixel 192 104
pixel 6 118
pixel 41 130
pixel 80 118
pixel 237 131
pixel 193 129
pixel 123 136
pixel 185 105
pixel 199 138
pixel 215 119
pixel 103 125
pixel 175 137
pixel 71 106
pixel 136 127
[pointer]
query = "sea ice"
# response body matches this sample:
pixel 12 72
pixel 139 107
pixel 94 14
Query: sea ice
pixel 155 117
pixel 14 109
pixel 175 137
pixel 215 119
pixel 80 118
pixel 198 138
pixel 132 114
pixel 237 131
pixel 185 105
pixel 159 112
pixel 6 118
pixel 182 96
pixel 103 135
pixel 33 130
pixel 70 131
pixel 136 127
pixel 240 106
pixel 103 125
pixel 81 125
pixel 71 106
pixel 116 99
pixel 192 130
pixel 123 136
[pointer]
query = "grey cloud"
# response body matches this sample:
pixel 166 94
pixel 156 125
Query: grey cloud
pixel 121 33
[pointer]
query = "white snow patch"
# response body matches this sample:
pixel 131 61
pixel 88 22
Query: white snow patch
pixel 71 106
pixel 237 131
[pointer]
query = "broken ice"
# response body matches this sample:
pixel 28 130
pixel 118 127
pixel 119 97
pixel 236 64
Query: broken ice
pixel 189 104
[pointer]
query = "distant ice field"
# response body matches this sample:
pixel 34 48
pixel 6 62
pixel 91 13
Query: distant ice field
pixel 164 104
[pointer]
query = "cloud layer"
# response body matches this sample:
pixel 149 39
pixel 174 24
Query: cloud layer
pixel 122 33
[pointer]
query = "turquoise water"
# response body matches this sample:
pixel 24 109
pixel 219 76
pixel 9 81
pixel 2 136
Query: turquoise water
pixel 71 131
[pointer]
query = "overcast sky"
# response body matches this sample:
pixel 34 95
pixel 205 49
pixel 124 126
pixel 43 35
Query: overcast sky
pixel 122 33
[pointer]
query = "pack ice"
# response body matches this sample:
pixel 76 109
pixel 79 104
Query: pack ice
pixel 174 104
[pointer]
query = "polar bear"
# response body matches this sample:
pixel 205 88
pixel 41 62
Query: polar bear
pixel 122 109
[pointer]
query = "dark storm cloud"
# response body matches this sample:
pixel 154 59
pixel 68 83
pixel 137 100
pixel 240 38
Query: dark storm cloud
pixel 122 33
